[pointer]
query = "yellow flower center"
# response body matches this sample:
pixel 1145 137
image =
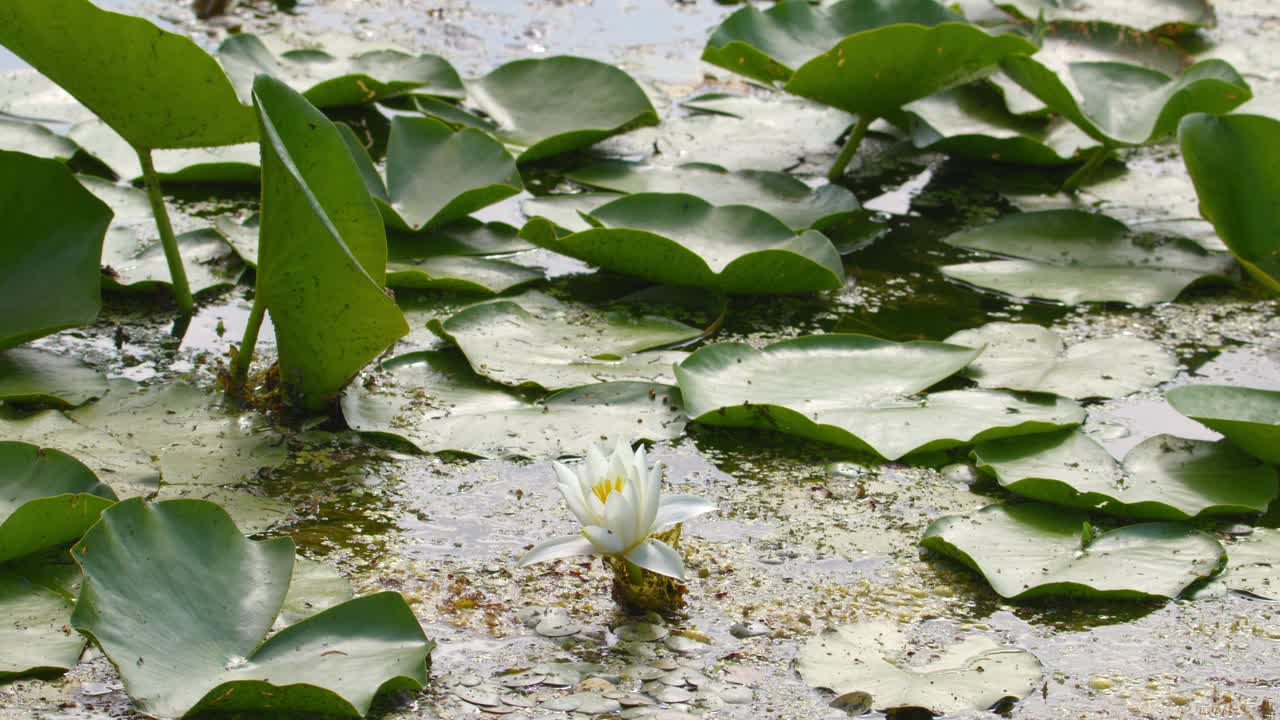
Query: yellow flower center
pixel 609 485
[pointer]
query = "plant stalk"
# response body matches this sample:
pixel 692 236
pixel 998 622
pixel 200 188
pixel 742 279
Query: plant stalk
pixel 850 148
pixel 177 273
pixel 1087 170
pixel 244 355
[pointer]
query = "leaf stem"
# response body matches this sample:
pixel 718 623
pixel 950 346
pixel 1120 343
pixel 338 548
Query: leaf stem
pixel 1087 170
pixel 850 148
pixel 244 356
pixel 177 273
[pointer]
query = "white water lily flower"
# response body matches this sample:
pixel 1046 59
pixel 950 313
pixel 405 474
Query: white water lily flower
pixel 619 503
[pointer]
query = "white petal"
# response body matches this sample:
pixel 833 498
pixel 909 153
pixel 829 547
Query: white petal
pixel 564 473
pixel 597 464
pixel 604 540
pixel 620 517
pixel 659 557
pixel 573 498
pixel 652 498
pixel 556 548
pixel 678 508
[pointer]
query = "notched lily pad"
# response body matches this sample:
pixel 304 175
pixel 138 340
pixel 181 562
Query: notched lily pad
pixel 1019 356
pixel 1073 256
pixel 129 470
pixel 47 499
pixel 409 267
pixel 184 644
pixel 39 377
pixel 228 164
pixel 1038 550
pixel 34 139
pixel 1160 17
pixel 434 401
pixel 1163 478
pixel 1248 417
pixel 33 634
pixel 974 674
pixel 1253 564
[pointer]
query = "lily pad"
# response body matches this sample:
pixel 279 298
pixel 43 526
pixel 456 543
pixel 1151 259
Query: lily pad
pixel 408 268
pixel 566 211
pixel 974 674
pixel 684 240
pixel 1248 417
pixel 128 470
pixel 1027 357
pixel 1253 564
pixel 781 195
pixel 47 499
pixel 201 643
pixel 1232 162
pixel 860 392
pixel 156 88
pixel 1073 256
pixel 434 401
pixel 550 106
pixel 1163 478
pixel 38 377
pixel 322 251
pixel 71 244
pixel 27 95
pixel 1161 17
pixel 34 139
pixel 1037 550
pixel 229 164
pixel 327 81
pixel 34 638
pixel 748 132
pixel 313 588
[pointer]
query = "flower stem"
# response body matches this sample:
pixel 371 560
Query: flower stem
pixel 244 355
pixel 1087 170
pixel 177 273
pixel 850 147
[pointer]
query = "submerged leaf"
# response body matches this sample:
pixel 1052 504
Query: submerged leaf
pixel 39 377
pixel 47 499
pixel 1253 564
pixel 1248 417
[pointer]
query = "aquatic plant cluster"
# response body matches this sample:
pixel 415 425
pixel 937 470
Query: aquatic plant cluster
pixel 195 616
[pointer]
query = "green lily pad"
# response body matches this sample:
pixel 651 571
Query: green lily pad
pixel 313 588
pixel 229 164
pixel 436 175
pixel 157 89
pixel 47 499
pixel 1232 162
pixel 550 106
pixel 867 658
pixel 327 81
pixel 38 377
pixel 684 240
pixel 466 237
pixel 34 139
pixel 566 211
pixel 433 401
pixel 253 514
pixel 1073 256
pixel 1248 417
pixel 561 346
pixel 1163 478
pixel 322 251
pixel 748 132
pixel 71 243
pixel 1161 17
pixel 1128 105
pixel 1253 564
pixel 1037 550
pixel 33 634
pixel 860 392
pixel 781 195
pixel 1027 357
pixel 408 268
pixel 201 643
pixel 127 469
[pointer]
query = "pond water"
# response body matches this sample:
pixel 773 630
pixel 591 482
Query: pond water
pixel 807 535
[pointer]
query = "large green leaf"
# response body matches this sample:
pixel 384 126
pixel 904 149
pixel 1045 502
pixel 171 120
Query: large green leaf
pixel 157 89
pixel 1232 161
pixel 128 470
pixel 47 499
pixel 70 243
pixel 322 250
pixel 1074 256
pixel 1248 417
pixel 1128 105
pixel 33 635
pixel 868 658
pixel 434 401
pixel 181 602
pixel 38 377
pixel 34 139
pixel 437 175
pixel 683 240
pixel 1033 550
pixel 1019 356
pixel 1163 478
pixel 327 81
pixel 1165 17
pixel 229 164
pixel 550 106
pixel 860 392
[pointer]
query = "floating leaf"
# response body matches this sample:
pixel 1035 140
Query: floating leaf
pixel 683 240
pixel 128 470
pixel 314 587
pixel 253 514
pixel 323 251
pixel 1248 417
pixel 155 88
pixel 229 164
pixel 1020 356
pixel 747 132
pixel 47 499
pixel 1253 564
pixel 1163 17
pixel 33 635
pixel 974 674
pixel 1074 256
pixel 200 642
pixel 1034 550
pixel 408 268
pixel 70 240
pixel 28 95
pixel 36 140
pixel 38 377
pixel 550 106
pixel 858 391
pixel 1232 161
pixel 1163 478
pixel 327 81
pixel 566 211
pixel 435 402
pixel 466 237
